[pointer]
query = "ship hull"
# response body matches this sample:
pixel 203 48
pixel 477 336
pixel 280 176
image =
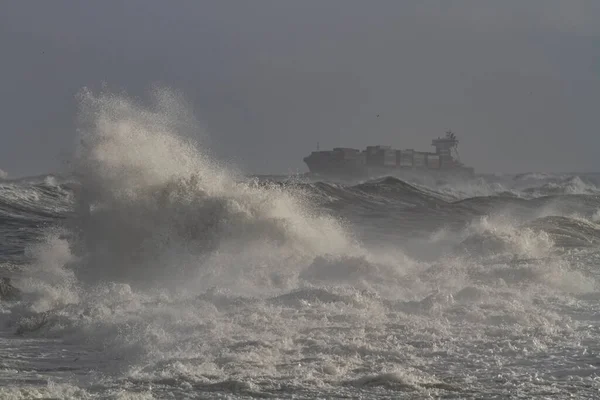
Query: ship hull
pixel 356 171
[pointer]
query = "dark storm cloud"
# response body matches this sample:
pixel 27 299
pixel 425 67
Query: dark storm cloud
pixel 518 81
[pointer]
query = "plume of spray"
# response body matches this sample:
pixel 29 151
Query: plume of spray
pixel 154 205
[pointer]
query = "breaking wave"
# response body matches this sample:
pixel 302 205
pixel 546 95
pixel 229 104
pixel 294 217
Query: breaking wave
pixel 155 207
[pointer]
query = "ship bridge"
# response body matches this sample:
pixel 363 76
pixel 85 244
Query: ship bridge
pixel 447 148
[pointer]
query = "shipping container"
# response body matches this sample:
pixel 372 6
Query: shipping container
pixel 419 159
pixel 347 153
pixel 433 161
pixel 389 158
pixel 405 158
pixel 371 150
pixel 447 162
pixel 362 158
pixel 375 158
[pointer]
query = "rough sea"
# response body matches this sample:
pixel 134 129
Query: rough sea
pixel 153 271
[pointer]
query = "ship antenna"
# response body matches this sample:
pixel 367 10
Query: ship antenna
pixel 317 146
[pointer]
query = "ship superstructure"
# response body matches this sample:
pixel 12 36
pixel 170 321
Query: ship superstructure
pixel 384 159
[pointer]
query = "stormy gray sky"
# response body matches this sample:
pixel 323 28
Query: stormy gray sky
pixel 518 81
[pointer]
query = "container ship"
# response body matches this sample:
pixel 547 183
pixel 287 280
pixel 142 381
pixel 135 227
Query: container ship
pixel 384 160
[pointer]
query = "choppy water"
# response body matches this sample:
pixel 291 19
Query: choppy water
pixel 157 273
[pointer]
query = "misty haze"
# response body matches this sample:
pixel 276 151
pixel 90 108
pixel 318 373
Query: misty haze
pixel 309 199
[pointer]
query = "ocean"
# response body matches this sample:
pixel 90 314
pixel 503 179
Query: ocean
pixel 154 271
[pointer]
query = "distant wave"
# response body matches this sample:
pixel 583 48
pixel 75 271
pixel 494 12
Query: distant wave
pixel 383 205
pixel 533 239
pixel 42 197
